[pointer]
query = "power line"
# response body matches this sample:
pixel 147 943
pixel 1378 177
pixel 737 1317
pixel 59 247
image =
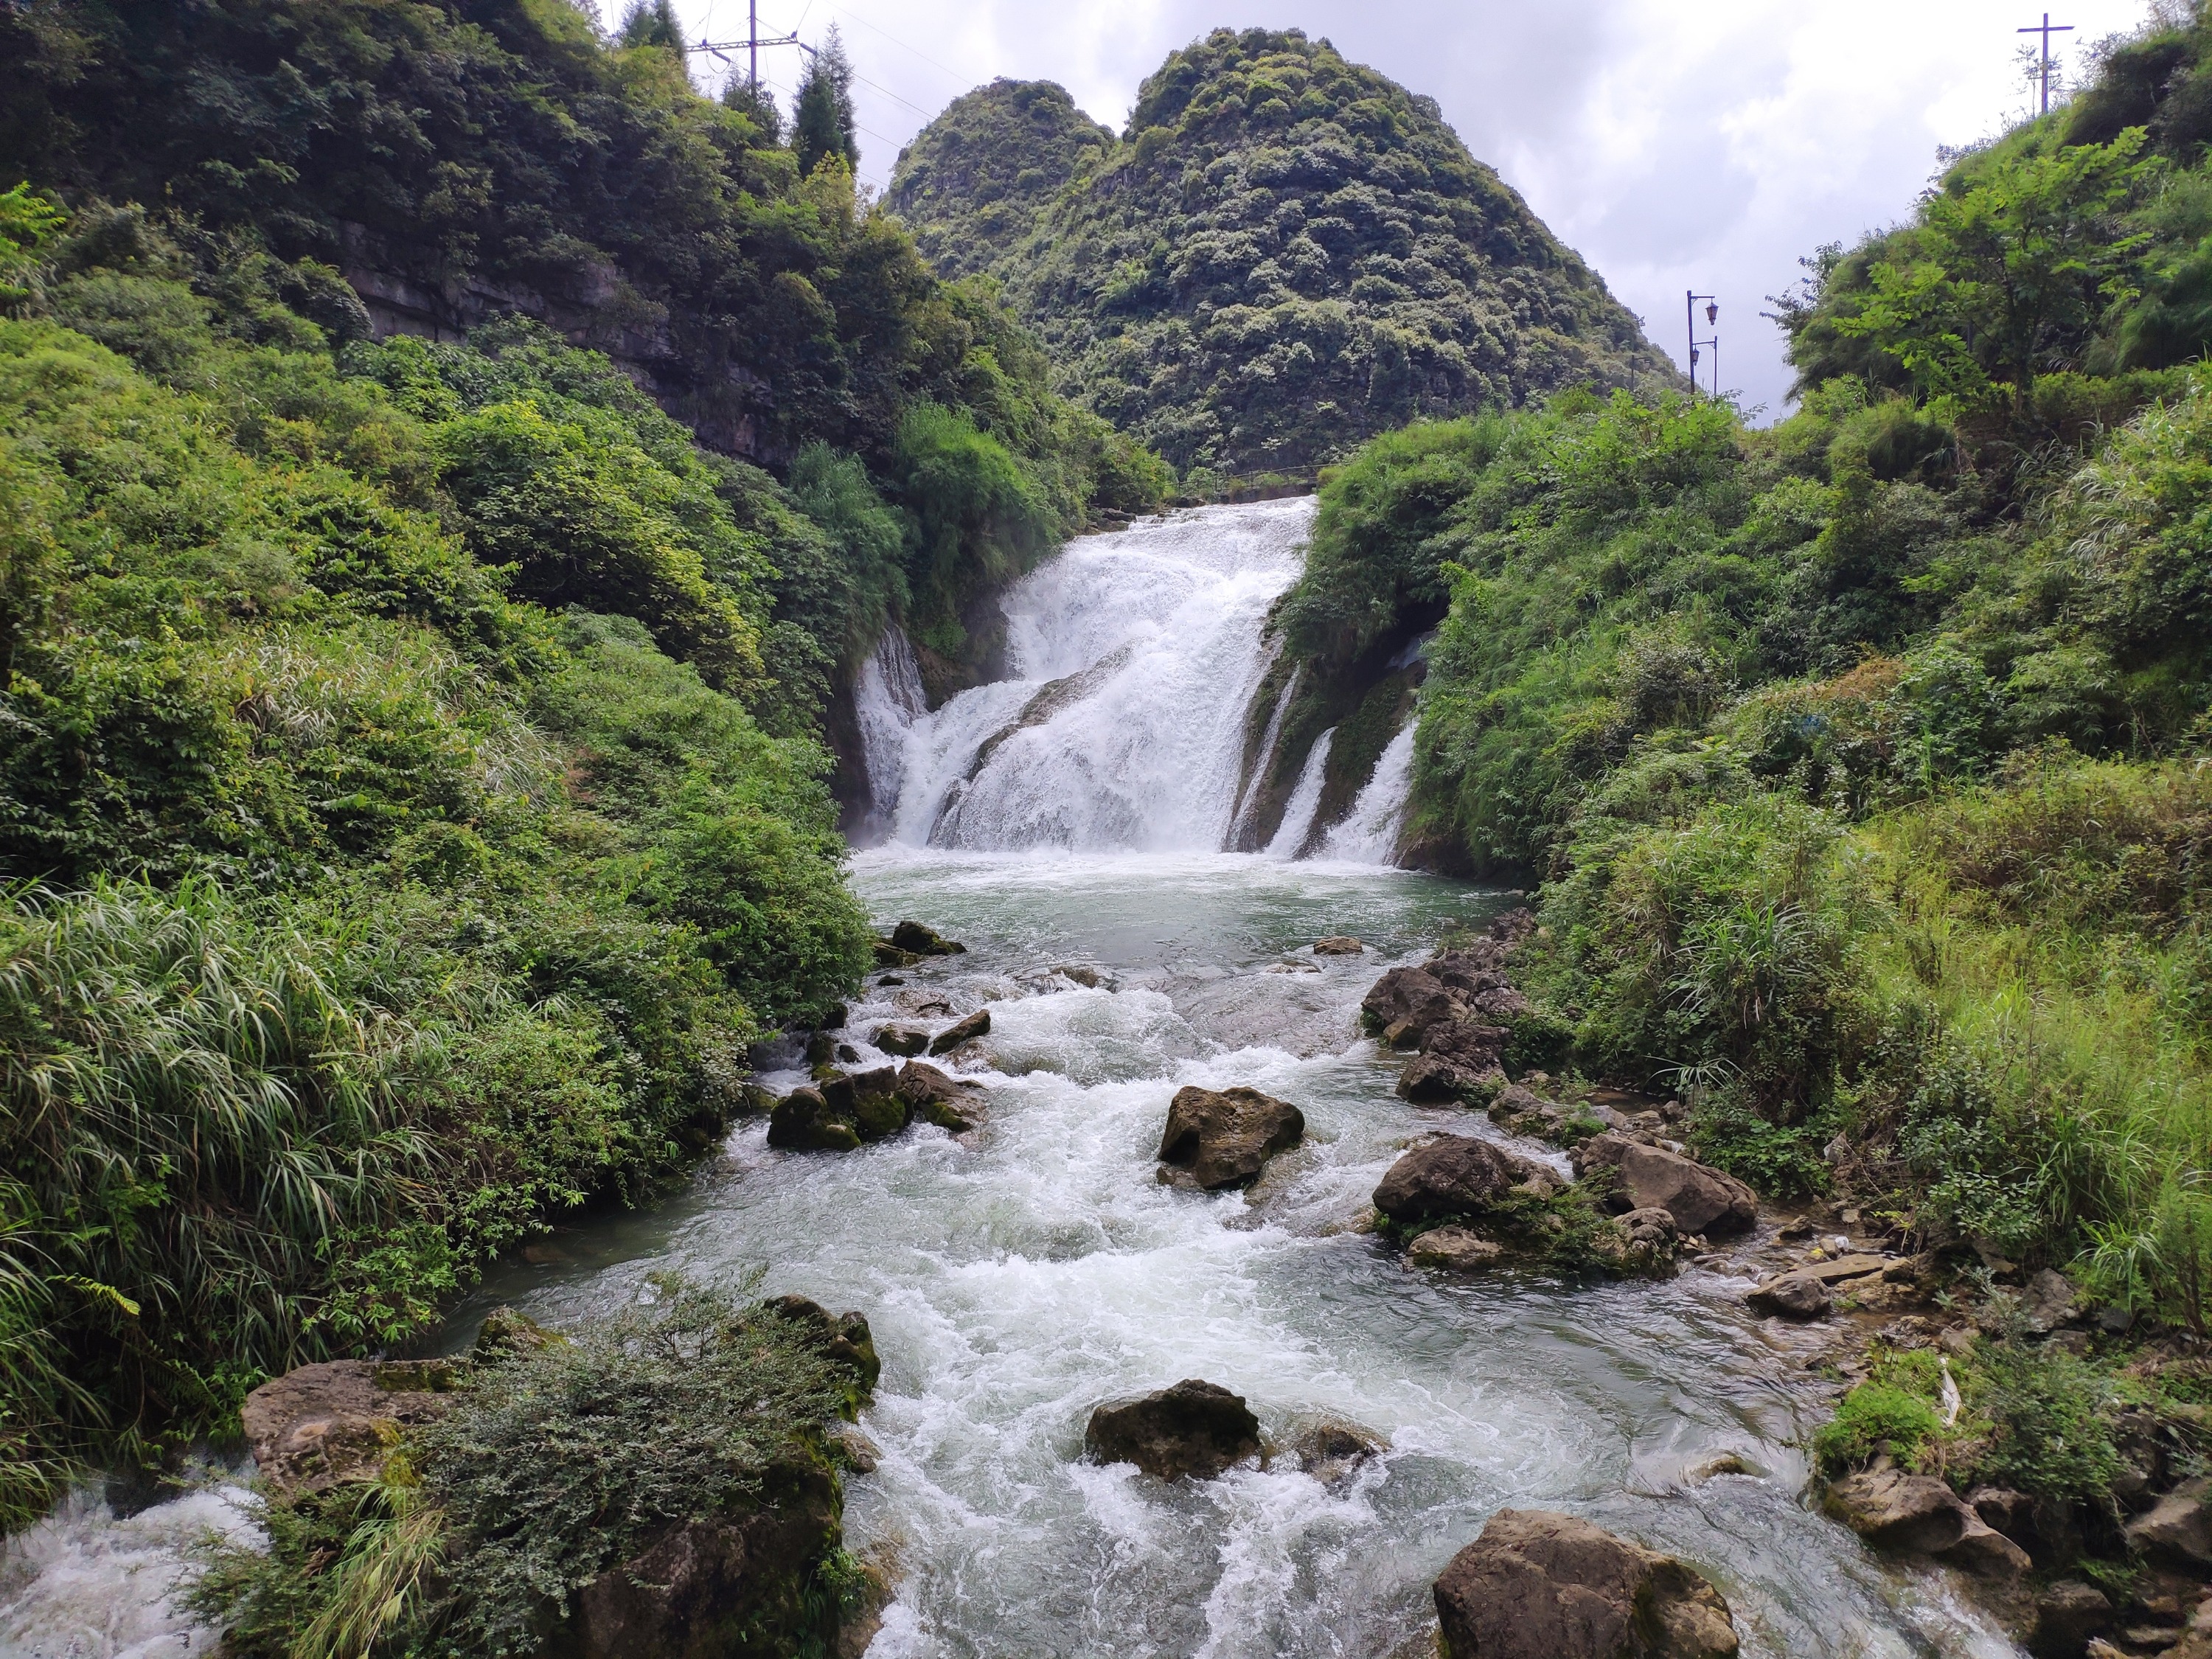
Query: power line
pixel 850 17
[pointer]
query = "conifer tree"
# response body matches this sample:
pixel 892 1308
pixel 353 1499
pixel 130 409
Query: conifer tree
pixel 757 104
pixel 822 124
pixel 653 23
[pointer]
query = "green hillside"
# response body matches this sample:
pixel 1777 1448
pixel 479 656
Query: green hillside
pixel 1285 254
pixel 1863 759
pixel 447 468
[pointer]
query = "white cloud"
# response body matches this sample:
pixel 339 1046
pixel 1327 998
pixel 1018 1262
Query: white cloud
pixel 1674 147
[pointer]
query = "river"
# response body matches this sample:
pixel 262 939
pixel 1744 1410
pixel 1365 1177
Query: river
pixel 1018 1279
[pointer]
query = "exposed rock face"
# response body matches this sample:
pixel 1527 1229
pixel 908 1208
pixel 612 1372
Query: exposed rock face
pixel 1338 944
pixel 1537 1585
pixel 1701 1199
pixel 1647 1241
pixel 1404 1003
pixel 2067 1614
pixel 839 1112
pixel 1196 1428
pixel 802 1123
pixel 1452 1175
pixel 701 1590
pixel 950 1102
pixel 1793 1295
pixel 900 1039
pixel 1454 1248
pixel 1919 1515
pixel 843 1339
pixel 322 1424
pixel 1527 1113
pixel 1333 1450
pixel 924 941
pixel 2178 1527
pixel 977 1024
pixel 1223 1138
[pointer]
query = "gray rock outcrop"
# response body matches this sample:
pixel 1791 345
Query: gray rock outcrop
pixel 1217 1138
pixel 1451 1176
pixel 1538 1585
pixel 1195 1428
pixel 1701 1199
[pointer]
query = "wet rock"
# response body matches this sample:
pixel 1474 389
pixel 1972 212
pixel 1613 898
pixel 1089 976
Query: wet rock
pixel 1701 1199
pixel 320 1425
pixel 506 1332
pixel 804 1121
pixel 1793 1295
pixel 1837 1269
pixel 888 954
pixel 844 1339
pixel 1333 1450
pixel 900 1039
pixel 2178 1527
pixel 950 1102
pixel 920 941
pixel 1404 1003
pixel 1919 1515
pixel 2067 1614
pixel 1452 1175
pixel 708 1587
pixel 1526 1113
pixel 878 1111
pixel 1090 978
pixel 977 1024
pixel 1428 1081
pixel 1338 944
pixel 1456 1248
pixel 1195 1428
pixel 1223 1138
pixel 1645 1242
pixel 1538 1585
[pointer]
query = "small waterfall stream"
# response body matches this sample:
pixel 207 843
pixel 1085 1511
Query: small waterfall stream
pixel 1134 658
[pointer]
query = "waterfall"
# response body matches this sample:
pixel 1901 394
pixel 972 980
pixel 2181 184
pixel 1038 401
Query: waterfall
pixel 1133 657
pixel 1368 832
pixel 1267 758
pixel 887 700
pixel 1291 834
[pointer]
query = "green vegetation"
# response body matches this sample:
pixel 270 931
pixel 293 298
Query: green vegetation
pixel 560 1459
pixel 1863 758
pixel 413 801
pixel 1285 253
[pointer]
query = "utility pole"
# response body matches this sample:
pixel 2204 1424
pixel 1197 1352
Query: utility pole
pixel 2046 29
pixel 752 43
pixel 1690 331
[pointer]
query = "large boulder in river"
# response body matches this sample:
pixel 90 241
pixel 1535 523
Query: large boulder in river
pixel 1218 1138
pixel 1196 1428
pixel 950 1102
pixel 913 937
pixel 1701 1199
pixel 1451 1176
pixel 977 1024
pixel 1404 1003
pixel 1538 1585
pixel 320 1425
pixel 1920 1515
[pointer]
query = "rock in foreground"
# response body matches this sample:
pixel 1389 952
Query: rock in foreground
pixel 950 1102
pixel 1537 1585
pixel 1701 1199
pixel 1196 1428
pixel 1452 1175
pixel 1224 1137
pixel 323 1425
pixel 1793 1295
pixel 1920 1515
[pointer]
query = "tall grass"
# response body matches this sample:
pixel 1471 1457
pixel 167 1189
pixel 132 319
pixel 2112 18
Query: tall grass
pixel 194 1118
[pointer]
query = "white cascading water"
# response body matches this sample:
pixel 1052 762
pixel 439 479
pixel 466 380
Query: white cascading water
pixel 1369 831
pixel 1296 827
pixel 1133 657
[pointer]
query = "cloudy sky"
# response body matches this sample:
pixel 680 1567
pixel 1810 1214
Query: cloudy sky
pixel 1676 146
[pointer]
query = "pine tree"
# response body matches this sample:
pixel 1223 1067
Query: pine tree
pixel 757 104
pixel 653 23
pixel 822 124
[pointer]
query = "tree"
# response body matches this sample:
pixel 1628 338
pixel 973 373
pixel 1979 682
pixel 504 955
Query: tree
pixel 757 104
pixel 822 124
pixel 653 23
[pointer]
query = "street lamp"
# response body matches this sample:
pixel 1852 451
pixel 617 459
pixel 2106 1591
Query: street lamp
pixel 1690 330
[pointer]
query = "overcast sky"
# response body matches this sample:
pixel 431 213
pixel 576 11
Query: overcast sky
pixel 1674 146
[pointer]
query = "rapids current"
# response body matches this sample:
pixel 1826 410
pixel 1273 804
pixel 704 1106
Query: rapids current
pixel 1017 1281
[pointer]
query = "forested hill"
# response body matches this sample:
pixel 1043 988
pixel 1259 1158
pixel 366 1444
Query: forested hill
pixel 1283 254
pixel 412 794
